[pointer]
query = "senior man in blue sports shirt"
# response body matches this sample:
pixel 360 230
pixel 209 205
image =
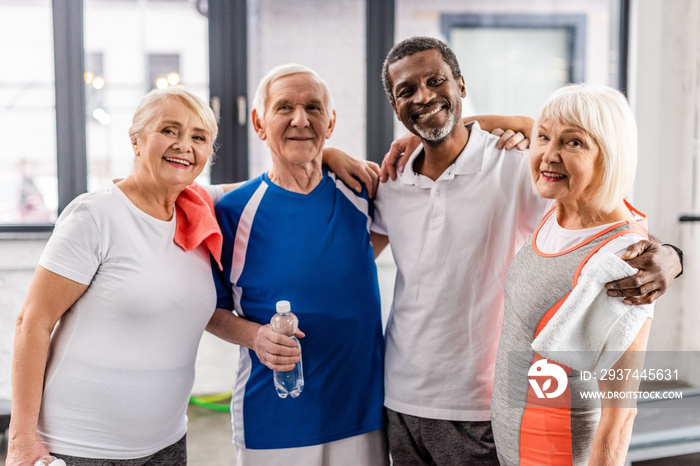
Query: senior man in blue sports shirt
pixel 297 233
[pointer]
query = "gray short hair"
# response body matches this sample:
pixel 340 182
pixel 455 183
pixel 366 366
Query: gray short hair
pixel 285 70
pixel 603 112
pixel 152 103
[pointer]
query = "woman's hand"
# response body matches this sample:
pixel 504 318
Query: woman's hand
pixel 278 352
pixel 24 450
pixel 658 265
pixel 510 139
pixel 348 168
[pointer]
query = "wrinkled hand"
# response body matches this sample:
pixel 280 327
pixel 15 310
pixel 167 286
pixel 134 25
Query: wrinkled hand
pixel 276 351
pixel 25 450
pixel 399 152
pixel 510 139
pixel 657 264
pixel 345 167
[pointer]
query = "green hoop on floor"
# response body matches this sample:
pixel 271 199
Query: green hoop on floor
pixel 213 402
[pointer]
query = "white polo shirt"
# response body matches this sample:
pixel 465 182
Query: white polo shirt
pixel 452 240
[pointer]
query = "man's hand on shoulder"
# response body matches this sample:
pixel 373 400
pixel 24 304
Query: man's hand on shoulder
pixel 658 265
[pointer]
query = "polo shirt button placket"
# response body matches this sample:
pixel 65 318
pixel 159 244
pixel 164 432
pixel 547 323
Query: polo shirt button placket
pixel 437 203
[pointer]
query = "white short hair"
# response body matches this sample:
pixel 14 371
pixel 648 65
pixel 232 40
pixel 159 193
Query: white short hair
pixel 152 104
pixel 602 112
pixel 285 70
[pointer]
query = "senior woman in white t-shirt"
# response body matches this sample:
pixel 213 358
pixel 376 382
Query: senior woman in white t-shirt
pixel 583 156
pixel 128 304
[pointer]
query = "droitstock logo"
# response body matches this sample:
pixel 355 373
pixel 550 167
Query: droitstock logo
pixel 543 369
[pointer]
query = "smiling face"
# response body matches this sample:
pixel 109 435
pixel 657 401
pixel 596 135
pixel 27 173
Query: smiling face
pixel 565 163
pixel 296 122
pixel 427 97
pixel 173 148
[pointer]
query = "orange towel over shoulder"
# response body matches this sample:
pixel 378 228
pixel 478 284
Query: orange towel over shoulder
pixel 196 222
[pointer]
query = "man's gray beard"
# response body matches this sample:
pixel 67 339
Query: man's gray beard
pixel 439 133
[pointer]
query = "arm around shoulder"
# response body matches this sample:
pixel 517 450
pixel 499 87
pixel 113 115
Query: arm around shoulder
pixel 658 265
pixel 517 123
pixel 347 168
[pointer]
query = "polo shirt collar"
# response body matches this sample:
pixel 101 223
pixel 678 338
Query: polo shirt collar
pixel 468 162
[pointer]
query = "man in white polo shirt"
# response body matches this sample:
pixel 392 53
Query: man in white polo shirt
pixel 455 217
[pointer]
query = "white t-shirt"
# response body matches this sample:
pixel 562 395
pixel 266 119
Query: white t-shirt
pixel 452 240
pixel 121 364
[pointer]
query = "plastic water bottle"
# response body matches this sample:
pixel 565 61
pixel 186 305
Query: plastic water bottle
pixel 286 323
pixel 49 461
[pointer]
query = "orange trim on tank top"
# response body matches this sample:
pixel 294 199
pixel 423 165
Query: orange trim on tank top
pixel 637 230
pixel 639 227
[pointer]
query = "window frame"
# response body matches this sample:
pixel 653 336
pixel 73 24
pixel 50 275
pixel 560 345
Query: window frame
pixel 228 87
pixel 71 152
pixel 379 121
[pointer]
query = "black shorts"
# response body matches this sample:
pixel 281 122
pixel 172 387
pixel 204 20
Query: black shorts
pixel 421 441
pixel 174 455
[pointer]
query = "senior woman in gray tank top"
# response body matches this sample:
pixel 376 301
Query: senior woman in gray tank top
pixel 583 157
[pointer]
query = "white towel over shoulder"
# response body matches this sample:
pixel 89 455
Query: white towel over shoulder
pixel 592 330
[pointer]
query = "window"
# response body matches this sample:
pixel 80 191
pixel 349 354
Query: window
pixel 28 193
pixel 512 63
pixel 161 43
pixel 513 54
pixel 163 70
pixel 123 47
pixel 107 55
pixel 328 37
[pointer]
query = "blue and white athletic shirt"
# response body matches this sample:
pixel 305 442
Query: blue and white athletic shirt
pixel 314 251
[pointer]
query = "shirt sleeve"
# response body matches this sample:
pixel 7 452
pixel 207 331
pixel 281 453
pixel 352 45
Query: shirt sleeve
pixel 379 203
pixel 222 278
pixel 74 250
pixel 214 191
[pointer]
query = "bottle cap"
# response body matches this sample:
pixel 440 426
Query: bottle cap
pixel 283 307
pixel 49 461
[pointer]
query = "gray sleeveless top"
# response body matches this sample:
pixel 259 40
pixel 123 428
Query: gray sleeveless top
pixel 534 284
